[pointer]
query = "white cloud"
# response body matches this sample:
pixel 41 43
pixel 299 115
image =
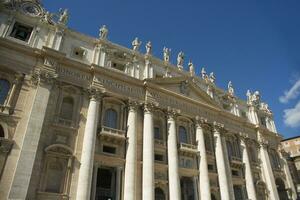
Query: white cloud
pixel 293 93
pixel 292 116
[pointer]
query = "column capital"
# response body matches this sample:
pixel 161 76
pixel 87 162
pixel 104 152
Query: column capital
pixel 149 107
pixel 201 122
pixel 218 127
pixel 172 113
pixel 133 105
pixel 43 76
pixel 95 93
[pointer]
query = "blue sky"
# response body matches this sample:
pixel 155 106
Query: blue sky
pixel 255 44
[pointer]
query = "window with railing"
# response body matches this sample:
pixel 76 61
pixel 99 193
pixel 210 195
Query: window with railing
pixel 111 118
pixel 4 89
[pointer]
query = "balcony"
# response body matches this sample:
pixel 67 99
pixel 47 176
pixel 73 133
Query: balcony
pixel 64 123
pixel 112 135
pixel 160 143
pixel 236 162
pixel 188 149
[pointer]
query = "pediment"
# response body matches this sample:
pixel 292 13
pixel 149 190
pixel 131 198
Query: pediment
pixel 187 88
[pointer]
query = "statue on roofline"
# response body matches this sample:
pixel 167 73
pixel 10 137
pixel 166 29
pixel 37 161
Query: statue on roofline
pixel 166 54
pixel 136 44
pixel 103 32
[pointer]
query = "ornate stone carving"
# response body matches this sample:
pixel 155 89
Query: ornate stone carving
pixel 149 107
pixel 103 32
pixel 148 48
pixel 43 76
pixel 212 78
pixel 218 127
pixel 230 89
pixel 180 60
pixel 253 99
pixel 191 68
pixel 202 122
pixel 172 113
pixel 63 16
pixel 133 105
pixel 136 44
pixel 95 93
pixel 184 87
pixel 166 54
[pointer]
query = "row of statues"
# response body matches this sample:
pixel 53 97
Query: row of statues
pixel 252 99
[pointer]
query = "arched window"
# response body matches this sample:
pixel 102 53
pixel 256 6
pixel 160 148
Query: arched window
pixel 2 135
pixel 66 111
pixel 4 88
pixel 111 118
pixel 159 194
pixel 55 173
pixel 183 138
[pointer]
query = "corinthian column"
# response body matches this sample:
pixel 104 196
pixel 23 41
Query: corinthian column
pixel 204 186
pixel 248 172
pixel 88 148
pixel 267 169
pixel 131 157
pixel 42 81
pixel 148 155
pixel 223 175
pixel 174 181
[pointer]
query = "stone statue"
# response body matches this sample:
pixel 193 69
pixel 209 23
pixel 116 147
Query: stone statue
pixel 212 77
pixel 230 89
pixel 203 74
pixel 191 68
pixel 103 32
pixel 253 99
pixel 63 16
pixel 180 60
pixel 136 44
pixel 265 107
pixel 166 54
pixel 48 16
pixel 148 47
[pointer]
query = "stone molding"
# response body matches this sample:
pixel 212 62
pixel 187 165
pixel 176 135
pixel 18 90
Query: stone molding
pixel 5 145
pixel 43 76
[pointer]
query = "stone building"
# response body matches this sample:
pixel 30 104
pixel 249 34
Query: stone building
pixel 84 118
pixel 291 147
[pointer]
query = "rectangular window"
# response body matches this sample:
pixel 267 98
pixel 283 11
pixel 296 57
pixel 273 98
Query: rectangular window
pixel 21 32
pixel 157 133
pixel 210 167
pixel 159 157
pixel 118 66
pixel 108 149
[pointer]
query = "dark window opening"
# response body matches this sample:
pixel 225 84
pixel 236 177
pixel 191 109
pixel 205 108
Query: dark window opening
pixel 21 32
pixel 110 118
pixel 158 157
pixel 1 132
pixel 108 149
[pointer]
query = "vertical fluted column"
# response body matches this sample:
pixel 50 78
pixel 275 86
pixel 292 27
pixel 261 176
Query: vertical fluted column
pixel 41 81
pixel 287 172
pixel 148 154
pixel 131 154
pixel 221 160
pixel 267 169
pixel 174 181
pixel 204 186
pixel 88 147
pixel 248 171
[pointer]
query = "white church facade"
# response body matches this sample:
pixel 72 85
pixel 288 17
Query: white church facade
pixel 84 118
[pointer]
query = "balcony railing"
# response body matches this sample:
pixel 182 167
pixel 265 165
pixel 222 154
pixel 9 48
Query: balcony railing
pixel 64 122
pixel 188 148
pixel 111 133
pixel 160 142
